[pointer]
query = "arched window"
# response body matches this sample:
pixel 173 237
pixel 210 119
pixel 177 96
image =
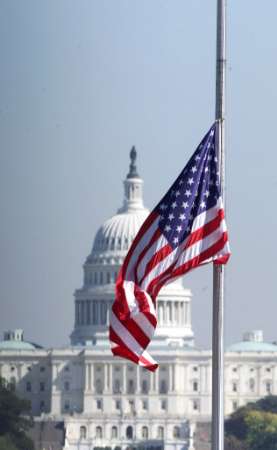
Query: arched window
pixel 144 433
pixel 114 433
pixel 83 432
pixel 176 432
pixel 160 433
pixel 129 432
pixel 99 432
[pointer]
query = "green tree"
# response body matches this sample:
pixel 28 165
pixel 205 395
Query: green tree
pixel 6 443
pixel 232 443
pixel 261 430
pixel 15 420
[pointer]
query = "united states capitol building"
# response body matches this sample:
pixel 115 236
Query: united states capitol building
pixel 107 402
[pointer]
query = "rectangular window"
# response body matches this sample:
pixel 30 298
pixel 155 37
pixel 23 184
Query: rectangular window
pixel 131 387
pixel 195 405
pixel 144 405
pixel 28 386
pixel 99 404
pixel 117 404
pixel 42 386
pixel 163 405
pixel 195 386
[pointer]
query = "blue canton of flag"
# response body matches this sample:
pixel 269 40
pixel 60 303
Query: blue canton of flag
pixel 196 190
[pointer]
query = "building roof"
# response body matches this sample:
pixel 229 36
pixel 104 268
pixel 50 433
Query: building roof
pixel 13 340
pixel 250 346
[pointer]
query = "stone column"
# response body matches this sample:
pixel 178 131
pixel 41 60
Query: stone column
pixel 170 378
pixel 138 380
pixel 151 382
pixel 86 376
pixel 106 374
pixel 124 378
pixel 111 377
pixel 259 382
pixel 156 381
pixel 92 377
pixel 203 378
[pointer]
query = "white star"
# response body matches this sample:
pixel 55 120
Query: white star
pixel 208 145
pixel 215 159
pixel 212 133
pixel 163 206
pixel 179 229
pixel 206 169
pixel 185 205
pixel 177 193
pixel 191 216
pixel 171 216
pixel 193 169
pixel 182 216
pixel 174 204
pixel 181 182
pixel 207 193
pixel 175 240
pixel 167 228
pixel 187 193
pixel 209 157
pixel 202 205
pixel 190 181
pixel 197 157
pixel 188 228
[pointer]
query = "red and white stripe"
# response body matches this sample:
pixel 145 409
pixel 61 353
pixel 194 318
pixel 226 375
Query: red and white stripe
pixel 149 265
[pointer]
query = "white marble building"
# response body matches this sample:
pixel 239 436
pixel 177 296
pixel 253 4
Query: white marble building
pixel 109 402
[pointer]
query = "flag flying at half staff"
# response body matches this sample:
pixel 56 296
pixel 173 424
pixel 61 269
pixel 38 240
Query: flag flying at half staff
pixel 186 229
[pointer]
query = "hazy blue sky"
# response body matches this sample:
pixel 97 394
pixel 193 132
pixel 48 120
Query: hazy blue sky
pixel 81 82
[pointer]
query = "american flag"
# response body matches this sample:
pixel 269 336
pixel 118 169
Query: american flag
pixel 185 230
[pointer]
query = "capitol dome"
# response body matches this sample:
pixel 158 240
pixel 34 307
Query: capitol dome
pixel 113 239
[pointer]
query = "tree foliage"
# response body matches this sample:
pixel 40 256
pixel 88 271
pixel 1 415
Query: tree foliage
pixel 253 427
pixel 15 420
pixel 262 430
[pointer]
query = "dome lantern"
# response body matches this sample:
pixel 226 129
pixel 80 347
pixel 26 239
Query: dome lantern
pixel 133 199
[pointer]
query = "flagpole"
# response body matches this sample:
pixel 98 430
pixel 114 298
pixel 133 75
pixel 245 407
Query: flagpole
pixel 218 271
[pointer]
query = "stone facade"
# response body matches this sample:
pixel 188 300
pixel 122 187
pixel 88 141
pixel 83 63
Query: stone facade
pixel 108 402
